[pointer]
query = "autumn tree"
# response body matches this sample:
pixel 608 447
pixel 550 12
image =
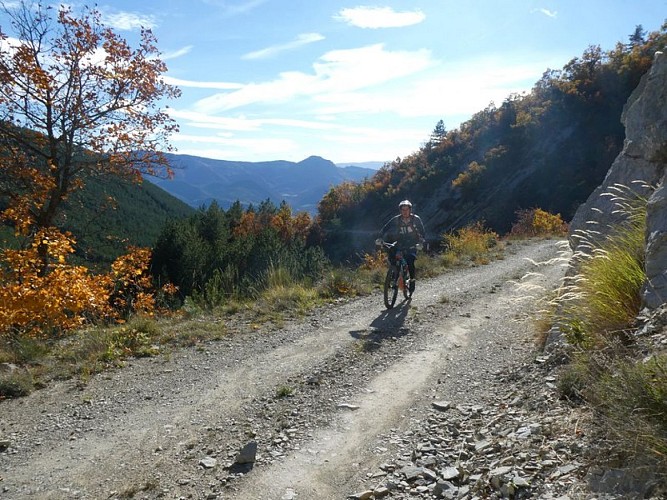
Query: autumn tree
pixel 75 101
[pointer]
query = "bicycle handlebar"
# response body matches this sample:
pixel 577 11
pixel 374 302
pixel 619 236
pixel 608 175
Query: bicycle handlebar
pixel 386 244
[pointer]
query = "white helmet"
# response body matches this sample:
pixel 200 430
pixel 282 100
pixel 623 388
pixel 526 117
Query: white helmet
pixel 405 203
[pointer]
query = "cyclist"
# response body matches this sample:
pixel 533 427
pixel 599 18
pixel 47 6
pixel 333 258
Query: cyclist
pixel 406 228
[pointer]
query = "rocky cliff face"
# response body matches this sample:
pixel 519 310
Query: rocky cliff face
pixel 643 158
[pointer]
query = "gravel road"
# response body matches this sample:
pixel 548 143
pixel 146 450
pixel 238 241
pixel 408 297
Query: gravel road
pixel 338 404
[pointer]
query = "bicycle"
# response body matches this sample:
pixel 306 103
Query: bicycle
pixel 398 275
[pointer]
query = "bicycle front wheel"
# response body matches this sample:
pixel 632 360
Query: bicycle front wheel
pixel 390 288
pixel 406 283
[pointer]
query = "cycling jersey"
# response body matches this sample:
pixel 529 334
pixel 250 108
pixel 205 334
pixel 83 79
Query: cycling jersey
pixel 408 232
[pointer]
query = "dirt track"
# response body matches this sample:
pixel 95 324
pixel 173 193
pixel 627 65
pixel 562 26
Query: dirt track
pixel 323 397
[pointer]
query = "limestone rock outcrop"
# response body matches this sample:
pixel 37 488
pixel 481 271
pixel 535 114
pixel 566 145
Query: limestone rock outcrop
pixel 643 158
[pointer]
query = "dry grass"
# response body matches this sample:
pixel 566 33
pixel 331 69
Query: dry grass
pixel 596 310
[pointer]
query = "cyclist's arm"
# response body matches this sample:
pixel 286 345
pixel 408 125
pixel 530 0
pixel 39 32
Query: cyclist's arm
pixel 388 230
pixel 419 225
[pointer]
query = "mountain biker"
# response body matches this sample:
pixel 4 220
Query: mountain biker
pixel 408 230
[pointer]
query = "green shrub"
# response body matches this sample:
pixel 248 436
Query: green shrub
pixel 218 289
pixel 284 392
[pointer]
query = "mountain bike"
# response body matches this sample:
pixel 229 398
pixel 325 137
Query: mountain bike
pixel 398 276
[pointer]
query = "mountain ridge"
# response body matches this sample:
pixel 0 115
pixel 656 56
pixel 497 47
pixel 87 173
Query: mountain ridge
pixel 198 181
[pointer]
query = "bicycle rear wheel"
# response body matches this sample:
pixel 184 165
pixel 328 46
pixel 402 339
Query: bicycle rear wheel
pixel 390 288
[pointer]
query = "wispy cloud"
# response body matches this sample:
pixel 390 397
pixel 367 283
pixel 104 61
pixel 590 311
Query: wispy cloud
pixel 235 148
pixel 243 124
pixel 202 84
pixel 233 8
pixel 379 17
pixel 303 39
pixel 445 90
pixel 547 12
pixel 177 53
pixel 338 70
pixel 127 21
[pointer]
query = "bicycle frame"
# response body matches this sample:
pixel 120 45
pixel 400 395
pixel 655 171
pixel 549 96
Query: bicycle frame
pixel 398 276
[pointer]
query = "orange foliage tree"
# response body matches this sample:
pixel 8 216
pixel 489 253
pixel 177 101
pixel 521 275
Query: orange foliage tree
pixel 538 222
pixel 33 302
pixel 75 101
pixel 288 227
pixel 38 303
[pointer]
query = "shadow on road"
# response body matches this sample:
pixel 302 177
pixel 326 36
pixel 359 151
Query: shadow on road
pixel 389 324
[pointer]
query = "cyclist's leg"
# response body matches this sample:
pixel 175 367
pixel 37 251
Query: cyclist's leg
pixel 410 259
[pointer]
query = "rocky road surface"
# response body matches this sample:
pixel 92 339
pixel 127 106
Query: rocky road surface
pixel 444 396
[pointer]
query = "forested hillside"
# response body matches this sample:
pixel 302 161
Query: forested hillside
pixel 546 149
pixel 110 214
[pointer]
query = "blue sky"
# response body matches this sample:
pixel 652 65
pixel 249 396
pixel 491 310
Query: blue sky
pixel 352 82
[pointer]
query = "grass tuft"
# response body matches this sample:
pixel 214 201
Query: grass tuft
pixel 16 383
pixel 596 310
pixel 603 298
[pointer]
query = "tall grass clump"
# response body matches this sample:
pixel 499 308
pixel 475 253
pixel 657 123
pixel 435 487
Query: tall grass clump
pixel 218 289
pixel 340 282
pixel 602 299
pixel 596 311
pixel 636 393
pixel 628 395
pixel 281 291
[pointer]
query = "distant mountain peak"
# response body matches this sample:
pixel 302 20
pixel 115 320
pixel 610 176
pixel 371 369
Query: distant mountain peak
pixel 198 181
pixel 316 160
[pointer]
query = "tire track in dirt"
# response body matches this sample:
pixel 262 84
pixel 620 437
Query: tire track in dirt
pixel 330 464
pixel 143 427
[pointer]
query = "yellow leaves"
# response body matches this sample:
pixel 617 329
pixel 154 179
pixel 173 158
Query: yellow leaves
pixel 39 301
pixel 288 227
pixel 248 226
pixel 115 101
pixel 469 178
pixel 377 260
pixel 35 304
pixel 537 222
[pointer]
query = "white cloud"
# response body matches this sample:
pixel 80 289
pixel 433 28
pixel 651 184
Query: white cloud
pixel 202 84
pixel 335 71
pixel 177 53
pixel 548 13
pixel 129 20
pixel 446 90
pixel 233 8
pixel 379 17
pixel 303 39
pixel 246 149
pixel 242 123
pixel 203 120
